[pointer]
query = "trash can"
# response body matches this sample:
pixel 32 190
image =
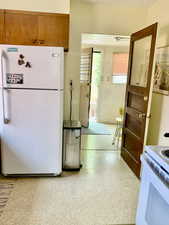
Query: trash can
pixel 71 145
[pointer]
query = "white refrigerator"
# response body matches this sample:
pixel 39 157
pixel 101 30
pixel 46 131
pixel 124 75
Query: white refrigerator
pixel 31 98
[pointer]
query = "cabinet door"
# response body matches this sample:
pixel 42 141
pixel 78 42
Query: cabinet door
pixel 1 25
pixel 20 28
pixel 54 30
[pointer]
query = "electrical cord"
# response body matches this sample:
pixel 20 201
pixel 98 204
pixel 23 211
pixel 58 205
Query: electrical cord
pixel 71 89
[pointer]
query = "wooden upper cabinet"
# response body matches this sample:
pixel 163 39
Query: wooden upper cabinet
pixel 1 26
pixel 54 30
pixel 20 28
pixel 36 28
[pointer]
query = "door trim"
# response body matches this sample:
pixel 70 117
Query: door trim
pixel 90 83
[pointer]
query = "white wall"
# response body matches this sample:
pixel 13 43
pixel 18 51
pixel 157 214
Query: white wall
pixel 96 18
pixel 111 98
pixel 55 6
pixel 159 123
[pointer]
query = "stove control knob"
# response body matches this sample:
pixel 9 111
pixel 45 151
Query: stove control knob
pixel 166 135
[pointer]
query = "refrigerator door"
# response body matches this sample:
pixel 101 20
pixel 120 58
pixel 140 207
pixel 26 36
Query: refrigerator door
pixel 32 67
pixel 32 140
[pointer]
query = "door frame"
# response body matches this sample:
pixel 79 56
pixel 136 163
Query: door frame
pixel 90 82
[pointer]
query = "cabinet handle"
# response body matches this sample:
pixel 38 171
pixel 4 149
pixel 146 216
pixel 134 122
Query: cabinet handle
pixel 41 42
pixel 34 41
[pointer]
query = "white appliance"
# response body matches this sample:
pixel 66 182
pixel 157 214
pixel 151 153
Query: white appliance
pixel 153 207
pixel 31 110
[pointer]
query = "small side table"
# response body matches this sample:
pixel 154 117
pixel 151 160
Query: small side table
pixel 118 131
pixel 71 145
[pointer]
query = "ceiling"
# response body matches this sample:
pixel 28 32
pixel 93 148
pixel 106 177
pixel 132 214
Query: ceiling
pixel 105 40
pixel 128 2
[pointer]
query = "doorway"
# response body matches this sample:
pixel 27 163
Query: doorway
pixel 133 114
pixel 102 100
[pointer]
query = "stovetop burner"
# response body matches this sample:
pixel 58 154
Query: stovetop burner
pixel 166 153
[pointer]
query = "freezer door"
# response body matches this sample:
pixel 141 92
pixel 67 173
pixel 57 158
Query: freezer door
pixel 32 66
pixel 32 140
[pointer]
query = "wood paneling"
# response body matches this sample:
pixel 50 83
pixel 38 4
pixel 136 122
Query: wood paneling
pixel 54 30
pixel 131 162
pixel 1 25
pixel 136 102
pixel 134 125
pixel 133 145
pixel 20 29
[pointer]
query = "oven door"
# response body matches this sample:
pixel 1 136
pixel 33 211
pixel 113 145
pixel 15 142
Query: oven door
pixel 153 207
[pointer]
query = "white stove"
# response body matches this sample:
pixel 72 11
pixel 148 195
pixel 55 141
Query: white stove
pixel 153 207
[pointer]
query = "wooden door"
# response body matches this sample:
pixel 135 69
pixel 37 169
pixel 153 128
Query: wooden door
pixel 1 41
pixel 21 28
pixel 54 30
pixel 1 25
pixel 138 95
pixel 85 84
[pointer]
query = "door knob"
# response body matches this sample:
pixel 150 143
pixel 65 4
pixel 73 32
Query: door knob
pixel 145 98
pixel 149 116
pixel 141 115
pixel 6 121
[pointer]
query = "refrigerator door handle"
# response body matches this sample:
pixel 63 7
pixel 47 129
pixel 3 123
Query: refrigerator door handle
pixel 5 106
pixel 5 116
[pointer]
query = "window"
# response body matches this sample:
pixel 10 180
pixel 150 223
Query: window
pixel 120 67
pixel 85 64
pixel 119 79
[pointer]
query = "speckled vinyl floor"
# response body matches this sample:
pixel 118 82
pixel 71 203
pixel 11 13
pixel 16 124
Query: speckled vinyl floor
pixel 104 192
